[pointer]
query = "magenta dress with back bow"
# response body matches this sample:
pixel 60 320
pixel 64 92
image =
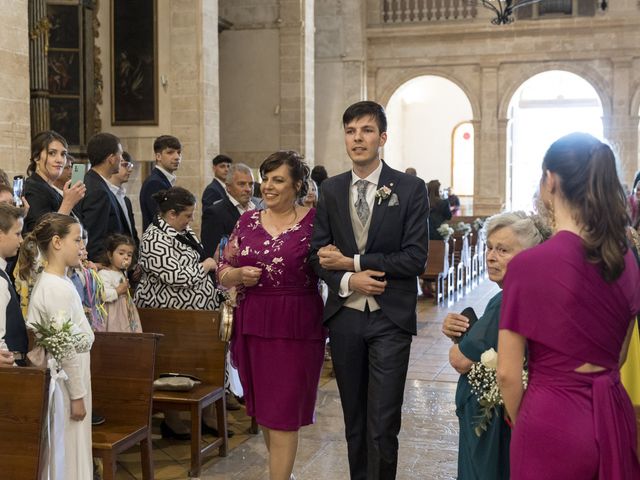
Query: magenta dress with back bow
pixel 278 337
pixel 571 425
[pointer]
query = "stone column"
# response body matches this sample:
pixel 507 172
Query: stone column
pixel 340 75
pixel 490 158
pixel 15 135
pixel 38 46
pixel 297 76
pixel 194 96
pixel 621 127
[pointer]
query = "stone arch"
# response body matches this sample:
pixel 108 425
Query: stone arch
pixel 403 76
pixel 634 106
pixel 597 81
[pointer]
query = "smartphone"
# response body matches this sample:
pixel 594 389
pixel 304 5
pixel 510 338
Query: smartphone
pixel 77 173
pixel 18 184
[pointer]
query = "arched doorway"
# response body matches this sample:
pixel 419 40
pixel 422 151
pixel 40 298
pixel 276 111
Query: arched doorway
pixel 545 107
pixel 430 130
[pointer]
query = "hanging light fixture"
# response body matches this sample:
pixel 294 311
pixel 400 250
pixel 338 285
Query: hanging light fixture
pixel 503 8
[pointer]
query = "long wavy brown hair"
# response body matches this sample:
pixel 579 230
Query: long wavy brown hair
pixel 589 182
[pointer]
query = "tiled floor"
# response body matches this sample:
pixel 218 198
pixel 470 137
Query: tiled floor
pixel 428 440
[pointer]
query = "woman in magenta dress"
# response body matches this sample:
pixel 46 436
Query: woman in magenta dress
pixel 572 300
pixel 278 338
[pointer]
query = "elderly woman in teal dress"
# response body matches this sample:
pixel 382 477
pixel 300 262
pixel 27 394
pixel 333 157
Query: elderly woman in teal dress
pixel 486 456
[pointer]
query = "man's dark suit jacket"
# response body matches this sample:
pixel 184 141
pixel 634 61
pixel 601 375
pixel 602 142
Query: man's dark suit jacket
pixel 218 220
pixel 155 182
pixel 397 242
pixel 213 193
pixel 134 232
pixel 101 214
pixel 43 199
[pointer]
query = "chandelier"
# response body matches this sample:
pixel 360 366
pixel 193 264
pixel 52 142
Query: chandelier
pixel 503 9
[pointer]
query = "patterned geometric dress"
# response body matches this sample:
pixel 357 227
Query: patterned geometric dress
pixel 278 339
pixel 172 276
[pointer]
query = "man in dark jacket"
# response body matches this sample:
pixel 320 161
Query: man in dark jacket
pixel 100 212
pixel 168 152
pixel 219 219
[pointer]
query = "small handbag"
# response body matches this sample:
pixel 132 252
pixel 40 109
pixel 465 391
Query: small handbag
pixel 226 321
pixel 176 382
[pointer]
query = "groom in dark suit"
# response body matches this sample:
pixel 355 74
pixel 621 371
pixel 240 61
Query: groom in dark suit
pixel 369 244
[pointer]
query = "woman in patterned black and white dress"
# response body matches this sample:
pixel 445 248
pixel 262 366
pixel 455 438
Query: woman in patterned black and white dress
pixel 176 274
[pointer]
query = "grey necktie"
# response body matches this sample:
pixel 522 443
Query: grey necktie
pixel 362 207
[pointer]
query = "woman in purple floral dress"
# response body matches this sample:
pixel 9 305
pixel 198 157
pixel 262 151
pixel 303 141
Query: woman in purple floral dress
pixel 278 339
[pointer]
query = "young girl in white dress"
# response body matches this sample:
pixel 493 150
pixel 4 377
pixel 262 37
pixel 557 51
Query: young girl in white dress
pixel 58 237
pixel 122 315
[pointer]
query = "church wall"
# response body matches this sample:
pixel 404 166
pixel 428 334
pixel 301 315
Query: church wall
pixel 15 123
pixel 491 62
pixel 267 78
pixel 340 76
pixel 250 94
pixel 187 46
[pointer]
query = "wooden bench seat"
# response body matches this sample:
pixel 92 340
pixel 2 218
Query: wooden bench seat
pixel 24 397
pixel 190 345
pixel 438 269
pixel 122 369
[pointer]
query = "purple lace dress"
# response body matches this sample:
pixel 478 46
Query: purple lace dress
pixel 278 338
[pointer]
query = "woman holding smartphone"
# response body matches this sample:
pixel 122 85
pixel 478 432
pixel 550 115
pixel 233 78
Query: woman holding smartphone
pixel 47 162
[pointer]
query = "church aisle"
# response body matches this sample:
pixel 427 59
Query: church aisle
pixel 428 440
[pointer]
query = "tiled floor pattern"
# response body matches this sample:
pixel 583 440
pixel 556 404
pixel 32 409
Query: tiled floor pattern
pixel 428 440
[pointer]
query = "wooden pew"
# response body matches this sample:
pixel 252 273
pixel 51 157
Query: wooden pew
pixel 438 269
pixel 122 374
pixel 190 345
pixel 24 397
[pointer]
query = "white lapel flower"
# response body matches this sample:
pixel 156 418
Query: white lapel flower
pixel 383 193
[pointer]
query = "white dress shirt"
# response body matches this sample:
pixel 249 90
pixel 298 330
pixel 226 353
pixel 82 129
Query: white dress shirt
pixel 241 209
pixel 120 193
pixel 5 298
pixel 170 176
pixel 373 179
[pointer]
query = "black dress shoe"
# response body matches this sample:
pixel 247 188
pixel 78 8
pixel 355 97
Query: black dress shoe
pixel 166 432
pixel 97 419
pixel 214 431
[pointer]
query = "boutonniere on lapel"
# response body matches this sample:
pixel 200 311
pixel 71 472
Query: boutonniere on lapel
pixel 383 193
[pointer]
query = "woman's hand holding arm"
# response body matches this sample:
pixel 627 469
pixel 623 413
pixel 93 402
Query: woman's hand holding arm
pixel 510 364
pixel 209 264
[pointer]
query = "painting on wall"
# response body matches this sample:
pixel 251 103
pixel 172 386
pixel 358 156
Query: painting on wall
pixel 65 72
pixel 134 85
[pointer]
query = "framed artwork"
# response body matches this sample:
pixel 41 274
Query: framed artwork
pixel 64 114
pixel 134 82
pixel 65 72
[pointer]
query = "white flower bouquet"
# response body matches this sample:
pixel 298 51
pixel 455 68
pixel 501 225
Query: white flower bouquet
pixel 445 230
pixel 463 228
pixel 60 337
pixel 484 385
pixel 478 223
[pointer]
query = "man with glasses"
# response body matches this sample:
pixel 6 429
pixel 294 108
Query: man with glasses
pixel 116 185
pixel 100 211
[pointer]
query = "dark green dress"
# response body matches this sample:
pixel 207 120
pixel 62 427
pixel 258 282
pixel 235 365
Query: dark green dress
pixel 485 457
